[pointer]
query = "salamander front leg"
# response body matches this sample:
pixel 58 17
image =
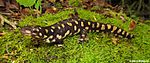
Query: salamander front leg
pixel 36 42
pixel 55 41
pixel 59 43
pixel 83 36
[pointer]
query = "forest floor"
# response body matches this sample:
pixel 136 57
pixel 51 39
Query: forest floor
pixel 99 48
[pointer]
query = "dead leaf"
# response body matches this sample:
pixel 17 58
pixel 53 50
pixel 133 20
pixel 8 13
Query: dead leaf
pixel 25 11
pixel 51 10
pixel 132 25
pixel 88 4
pixel 2 33
pixel 102 3
pixel 64 3
pixel 6 56
pixel 36 13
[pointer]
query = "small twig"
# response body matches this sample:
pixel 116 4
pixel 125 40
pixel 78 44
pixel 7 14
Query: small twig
pixel 8 14
pixel 140 5
pixel 7 49
pixel 7 21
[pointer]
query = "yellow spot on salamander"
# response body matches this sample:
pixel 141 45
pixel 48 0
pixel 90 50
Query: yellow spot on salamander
pixel 76 22
pixel 58 36
pixel 119 31
pixel 83 35
pixel 67 33
pixel 82 24
pixel 108 26
pixel 90 30
pixel 52 27
pixel 37 30
pixel 97 25
pixel 45 36
pixel 28 31
pixel 89 23
pixel 75 28
pixel 70 24
pixel 116 34
pixel 59 45
pixel 77 31
pixel 86 28
pixel 127 34
pixel 52 30
pixel 131 36
pixel 46 30
pixel 120 36
pixel 40 34
pixel 123 32
pixel 114 28
pixel 40 28
pixel 58 27
pixel 37 36
pixel 97 30
pixel 93 25
pixel 53 40
pixel 103 27
pixel 70 33
pixel 47 40
pixel 63 25
pixel 50 37
pixel 33 33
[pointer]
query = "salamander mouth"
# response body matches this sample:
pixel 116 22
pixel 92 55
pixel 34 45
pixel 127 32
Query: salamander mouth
pixel 26 31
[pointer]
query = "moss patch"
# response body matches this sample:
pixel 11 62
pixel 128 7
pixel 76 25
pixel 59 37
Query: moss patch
pixel 18 48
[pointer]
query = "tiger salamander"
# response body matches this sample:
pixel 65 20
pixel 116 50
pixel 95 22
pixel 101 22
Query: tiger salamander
pixel 57 32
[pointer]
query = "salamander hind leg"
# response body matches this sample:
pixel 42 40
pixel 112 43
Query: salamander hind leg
pixel 83 36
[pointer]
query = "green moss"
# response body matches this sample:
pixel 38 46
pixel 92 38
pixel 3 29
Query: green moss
pixel 74 3
pixel 99 48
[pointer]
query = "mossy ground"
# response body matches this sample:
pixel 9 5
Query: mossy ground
pixel 18 48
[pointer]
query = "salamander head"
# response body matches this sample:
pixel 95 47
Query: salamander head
pixel 30 31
